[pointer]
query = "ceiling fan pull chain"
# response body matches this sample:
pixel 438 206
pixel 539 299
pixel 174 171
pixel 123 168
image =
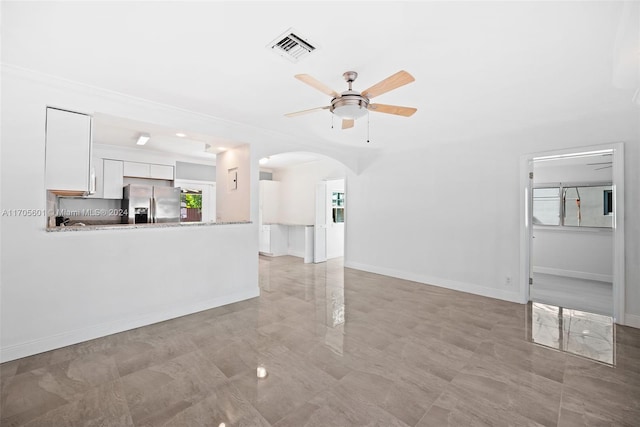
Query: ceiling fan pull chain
pixel 331 121
pixel 368 120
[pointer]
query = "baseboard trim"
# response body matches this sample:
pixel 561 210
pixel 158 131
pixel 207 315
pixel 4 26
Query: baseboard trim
pixel 574 274
pixel 64 339
pixel 299 254
pixel 632 320
pixel 471 288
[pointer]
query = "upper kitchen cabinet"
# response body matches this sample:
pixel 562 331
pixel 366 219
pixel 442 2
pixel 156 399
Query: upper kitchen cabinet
pixel 113 180
pixel 108 179
pixel 146 170
pixel 161 172
pixel 68 152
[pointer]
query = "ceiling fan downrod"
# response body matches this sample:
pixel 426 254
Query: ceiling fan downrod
pixel 350 77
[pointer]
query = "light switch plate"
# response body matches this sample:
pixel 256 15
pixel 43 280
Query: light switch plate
pixel 232 179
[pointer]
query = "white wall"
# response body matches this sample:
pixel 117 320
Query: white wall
pixel 448 214
pixel 233 204
pixel 270 202
pixel 584 254
pixel 58 288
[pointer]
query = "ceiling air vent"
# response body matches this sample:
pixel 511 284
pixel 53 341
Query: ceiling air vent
pixel 292 45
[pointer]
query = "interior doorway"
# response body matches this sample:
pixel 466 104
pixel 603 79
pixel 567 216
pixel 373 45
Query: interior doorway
pixel 573 229
pixel 288 203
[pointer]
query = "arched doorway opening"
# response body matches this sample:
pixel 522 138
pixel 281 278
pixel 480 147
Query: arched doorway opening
pixel 302 206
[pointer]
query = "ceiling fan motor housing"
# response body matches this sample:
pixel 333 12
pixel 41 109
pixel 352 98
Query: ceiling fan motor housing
pixel 350 105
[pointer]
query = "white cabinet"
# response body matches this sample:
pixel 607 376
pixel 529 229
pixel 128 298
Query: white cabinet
pixel 68 151
pixel 265 239
pixel 113 181
pixel 108 179
pixel 96 178
pixel 161 172
pixel 274 240
pixel 135 169
pixel 146 170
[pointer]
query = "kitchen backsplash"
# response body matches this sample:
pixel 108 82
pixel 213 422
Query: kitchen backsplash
pixel 90 211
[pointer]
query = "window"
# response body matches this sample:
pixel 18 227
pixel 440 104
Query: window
pixel 337 206
pixel 546 206
pixel 586 205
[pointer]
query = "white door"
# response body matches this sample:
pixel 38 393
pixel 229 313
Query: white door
pixel 320 224
pixel 335 218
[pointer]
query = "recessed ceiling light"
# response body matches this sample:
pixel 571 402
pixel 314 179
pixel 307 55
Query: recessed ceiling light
pixel 222 148
pixel 181 135
pixel 264 160
pixel 143 138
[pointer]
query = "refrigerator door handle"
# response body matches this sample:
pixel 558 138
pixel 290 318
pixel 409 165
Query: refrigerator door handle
pixel 152 210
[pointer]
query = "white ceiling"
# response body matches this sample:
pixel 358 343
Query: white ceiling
pixel 481 68
pixel 110 130
pixel 284 160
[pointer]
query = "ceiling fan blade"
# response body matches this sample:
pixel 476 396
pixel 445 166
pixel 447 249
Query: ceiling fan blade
pixel 311 81
pixel 347 123
pixel 392 109
pixel 400 78
pixel 299 113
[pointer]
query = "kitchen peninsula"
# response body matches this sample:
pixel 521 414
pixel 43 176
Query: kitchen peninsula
pixel 62 287
pixel 139 226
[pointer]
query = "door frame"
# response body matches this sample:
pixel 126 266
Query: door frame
pixel 526 227
pixel 208 189
pixel 320 224
pixel 323 221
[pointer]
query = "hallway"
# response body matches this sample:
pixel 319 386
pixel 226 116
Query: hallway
pixel 341 347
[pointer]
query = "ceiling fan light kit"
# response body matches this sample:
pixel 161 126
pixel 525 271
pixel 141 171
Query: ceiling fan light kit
pixel 351 105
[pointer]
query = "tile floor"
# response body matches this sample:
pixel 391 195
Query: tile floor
pixel 342 348
pixel 574 331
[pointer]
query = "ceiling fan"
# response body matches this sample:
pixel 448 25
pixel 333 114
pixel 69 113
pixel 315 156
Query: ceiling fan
pixel 350 104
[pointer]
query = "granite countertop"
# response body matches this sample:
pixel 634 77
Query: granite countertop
pixel 132 226
pixel 287 224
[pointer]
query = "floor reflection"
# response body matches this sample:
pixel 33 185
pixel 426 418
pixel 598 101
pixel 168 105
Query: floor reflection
pixel 585 334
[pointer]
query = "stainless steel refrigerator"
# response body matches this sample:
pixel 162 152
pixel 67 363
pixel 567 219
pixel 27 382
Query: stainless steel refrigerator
pixel 150 204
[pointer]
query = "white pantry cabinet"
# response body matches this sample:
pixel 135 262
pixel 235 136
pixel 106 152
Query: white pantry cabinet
pixel 68 151
pixel 146 170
